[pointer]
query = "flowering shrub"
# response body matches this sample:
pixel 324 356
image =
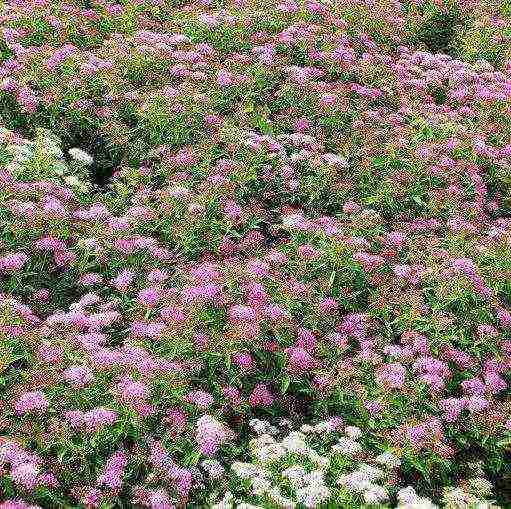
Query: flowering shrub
pixel 324 465
pixel 215 215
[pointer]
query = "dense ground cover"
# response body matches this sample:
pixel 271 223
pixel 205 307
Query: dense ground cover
pixel 255 254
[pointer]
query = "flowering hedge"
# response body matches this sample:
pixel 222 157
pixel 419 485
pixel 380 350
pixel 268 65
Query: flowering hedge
pixel 284 218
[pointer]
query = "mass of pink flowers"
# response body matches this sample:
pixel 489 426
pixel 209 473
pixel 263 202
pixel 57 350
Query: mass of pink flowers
pixel 221 212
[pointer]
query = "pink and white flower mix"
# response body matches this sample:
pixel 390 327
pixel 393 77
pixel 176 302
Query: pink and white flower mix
pixel 228 218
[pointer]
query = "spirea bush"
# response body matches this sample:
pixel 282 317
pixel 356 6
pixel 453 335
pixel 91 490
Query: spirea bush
pixel 255 254
pixel 326 465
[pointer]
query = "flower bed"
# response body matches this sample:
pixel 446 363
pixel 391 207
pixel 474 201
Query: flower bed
pixel 255 254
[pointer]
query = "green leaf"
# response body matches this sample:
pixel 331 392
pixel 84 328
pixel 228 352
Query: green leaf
pixel 504 443
pixel 193 458
pixel 284 386
pixel 332 279
pixel 418 201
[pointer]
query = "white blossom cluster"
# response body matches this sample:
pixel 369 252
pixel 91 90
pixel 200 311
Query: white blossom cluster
pixel 363 481
pixel 213 468
pixel 262 427
pixel 458 498
pixel 80 156
pixel 408 499
pixel 290 473
pixel 43 158
pixel 291 465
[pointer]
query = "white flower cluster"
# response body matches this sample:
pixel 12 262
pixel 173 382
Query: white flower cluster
pixel 363 481
pixel 408 499
pixel 80 156
pixel 458 498
pixel 45 149
pixel 309 487
pixel 213 468
pixel 454 498
pixel 346 445
pixel 289 472
pixel 264 475
pixel 261 482
pixel 43 158
pixel 288 463
pixel 262 427
pixel 266 449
